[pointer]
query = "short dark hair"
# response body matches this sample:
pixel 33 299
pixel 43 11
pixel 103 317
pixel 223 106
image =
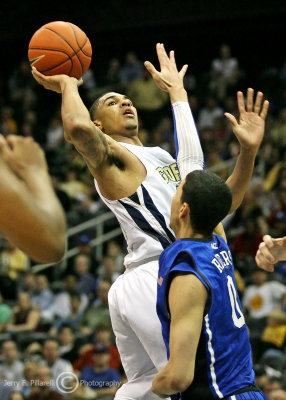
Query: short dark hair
pixel 209 199
pixel 94 107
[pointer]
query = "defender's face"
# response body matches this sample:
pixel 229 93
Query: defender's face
pixel 176 206
pixel 117 115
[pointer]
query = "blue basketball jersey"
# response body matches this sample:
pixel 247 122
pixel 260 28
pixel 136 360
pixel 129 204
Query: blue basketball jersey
pixel 224 338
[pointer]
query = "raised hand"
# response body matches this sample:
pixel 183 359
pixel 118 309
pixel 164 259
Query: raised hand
pixel 54 82
pixel 169 77
pixel 23 155
pixel 270 251
pixel 250 128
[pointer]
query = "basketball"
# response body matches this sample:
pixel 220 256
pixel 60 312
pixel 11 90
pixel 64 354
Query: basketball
pixel 60 47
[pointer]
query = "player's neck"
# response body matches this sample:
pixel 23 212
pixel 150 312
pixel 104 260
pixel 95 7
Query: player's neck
pixel 184 231
pixel 127 139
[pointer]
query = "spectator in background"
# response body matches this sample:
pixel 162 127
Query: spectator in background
pixel 30 368
pixel 209 113
pixel 100 377
pixel 114 250
pixel 86 281
pixel 61 307
pixel 16 396
pixel 55 134
pixel 131 70
pixel 43 296
pixel 98 312
pixel 260 298
pixel 43 390
pixel 107 270
pixel 224 73
pixel 27 283
pixel 73 186
pixel 149 100
pixel 5 314
pixel 11 368
pixel 74 317
pixel 112 78
pixel 8 125
pixel 68 344
pixel 13 262
pixel 51 359
pixel 104 336
pixel 25 318
pixel 274 334
pixel 84 247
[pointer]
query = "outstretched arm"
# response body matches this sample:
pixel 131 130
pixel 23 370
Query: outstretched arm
pixel 188 148
pixel 270 251
pixel 249 132
pixel 30 214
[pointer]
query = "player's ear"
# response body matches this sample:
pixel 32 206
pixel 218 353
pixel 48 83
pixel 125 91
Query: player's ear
pixel 184 210
pixel 98 124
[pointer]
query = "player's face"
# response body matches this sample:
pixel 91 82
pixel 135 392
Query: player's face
pixel 116 115
pixel 176 206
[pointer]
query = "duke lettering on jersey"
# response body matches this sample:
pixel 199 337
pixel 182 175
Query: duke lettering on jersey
pixel 226 348
pixel 222 259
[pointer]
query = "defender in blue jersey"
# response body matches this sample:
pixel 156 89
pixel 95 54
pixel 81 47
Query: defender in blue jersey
pixel 197 301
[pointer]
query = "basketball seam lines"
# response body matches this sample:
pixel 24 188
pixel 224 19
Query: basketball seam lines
pixel 79 48
pixel 57 65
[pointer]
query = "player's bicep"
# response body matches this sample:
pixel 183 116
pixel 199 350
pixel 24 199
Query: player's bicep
pixel 187 299
pixel 92 144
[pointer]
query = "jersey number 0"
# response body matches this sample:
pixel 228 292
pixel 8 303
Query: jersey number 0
pixel 237 316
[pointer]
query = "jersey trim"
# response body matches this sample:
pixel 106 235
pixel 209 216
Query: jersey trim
pixel 211 351
pixel 156 213
pixel 144 225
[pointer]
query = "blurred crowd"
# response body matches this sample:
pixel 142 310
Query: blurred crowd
pixel 55 333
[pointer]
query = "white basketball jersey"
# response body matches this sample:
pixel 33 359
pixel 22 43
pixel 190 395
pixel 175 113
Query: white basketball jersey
pixel 145 215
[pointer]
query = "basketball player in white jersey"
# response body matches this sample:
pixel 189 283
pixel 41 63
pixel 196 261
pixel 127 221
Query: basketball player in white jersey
pixel 31 215
pixel 137 184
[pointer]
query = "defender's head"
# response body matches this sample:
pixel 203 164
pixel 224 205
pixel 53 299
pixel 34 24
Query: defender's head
pixel 115 115
pixel 202 200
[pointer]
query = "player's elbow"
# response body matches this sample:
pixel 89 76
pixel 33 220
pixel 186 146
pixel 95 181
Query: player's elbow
pixel 180 383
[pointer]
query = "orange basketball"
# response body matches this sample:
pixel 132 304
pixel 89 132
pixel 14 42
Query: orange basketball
pixel 60 48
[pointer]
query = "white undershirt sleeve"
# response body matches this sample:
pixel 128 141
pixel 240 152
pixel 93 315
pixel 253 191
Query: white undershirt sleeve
pixel 188 147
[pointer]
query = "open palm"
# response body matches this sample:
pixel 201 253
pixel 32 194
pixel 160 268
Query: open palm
pixel 250 128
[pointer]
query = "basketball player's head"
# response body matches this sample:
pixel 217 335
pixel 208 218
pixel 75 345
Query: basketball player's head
pixel 115 115
pixel 202 200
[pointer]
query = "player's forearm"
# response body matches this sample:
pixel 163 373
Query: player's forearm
pixel 188 147
pixel 48 216
pixel 240 178
pixel 75 115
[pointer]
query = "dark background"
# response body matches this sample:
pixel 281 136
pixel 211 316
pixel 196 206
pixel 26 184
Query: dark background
pixel 256 30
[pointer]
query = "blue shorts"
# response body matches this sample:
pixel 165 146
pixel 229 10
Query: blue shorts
pixel 251 395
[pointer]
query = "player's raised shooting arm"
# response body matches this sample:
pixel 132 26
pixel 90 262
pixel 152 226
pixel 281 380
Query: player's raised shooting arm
pixel 78 127
pixel 187 299
pixel 249 132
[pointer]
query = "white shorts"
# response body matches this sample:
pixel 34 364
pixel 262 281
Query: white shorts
pixel 132 303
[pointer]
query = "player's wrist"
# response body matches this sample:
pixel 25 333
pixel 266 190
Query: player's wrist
pixel 177 94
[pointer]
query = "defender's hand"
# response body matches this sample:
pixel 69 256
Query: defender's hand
pixel 250 128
